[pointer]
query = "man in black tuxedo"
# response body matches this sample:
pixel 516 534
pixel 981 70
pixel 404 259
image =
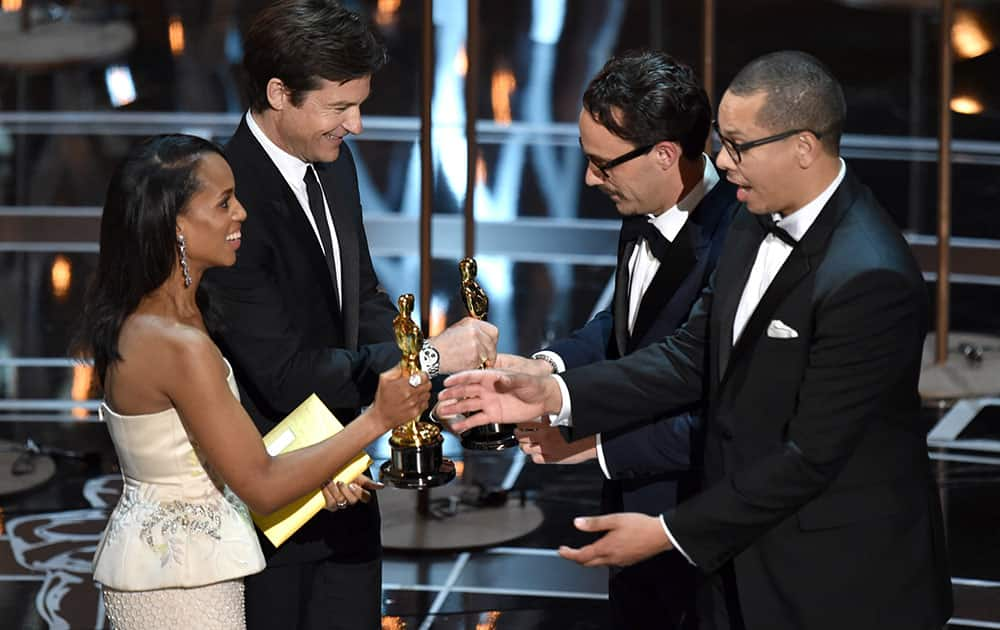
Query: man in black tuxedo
pixel 643 127
pixel 302 309
pixel 819 508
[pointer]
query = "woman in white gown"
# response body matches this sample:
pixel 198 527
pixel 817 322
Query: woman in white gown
pixel 180 541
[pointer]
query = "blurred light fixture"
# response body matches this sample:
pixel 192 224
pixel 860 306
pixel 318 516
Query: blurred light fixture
pixel 480 170
pixel 968 37
pixel 459 468
pixel 489 620
pixel 461 63
pixel 966 105
pixel 439 318
pixel 62 276
pixel 9 6
pixel 386 12
pixel 393 623
pixel 121 88
pixel 83 379
pixel 502 86
pixel 175 33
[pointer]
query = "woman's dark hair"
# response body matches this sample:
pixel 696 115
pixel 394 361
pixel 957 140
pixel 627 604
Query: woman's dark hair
pixel 299 41
pixel 138 248
pixel 646 96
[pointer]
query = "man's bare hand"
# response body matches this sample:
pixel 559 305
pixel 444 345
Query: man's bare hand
pixel 466 345
pixel 486 396
pixel 341 495
pixel 515 363
pixel 631 537
pixel 546 445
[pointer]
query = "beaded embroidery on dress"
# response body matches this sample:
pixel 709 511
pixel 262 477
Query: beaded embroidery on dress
pixel 177 526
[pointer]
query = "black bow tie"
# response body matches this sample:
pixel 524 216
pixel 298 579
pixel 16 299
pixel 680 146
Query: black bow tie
pixel 635 227
pixel 771 227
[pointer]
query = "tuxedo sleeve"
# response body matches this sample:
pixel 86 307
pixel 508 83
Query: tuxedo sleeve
pixel 656 448
pixel 587 344
pixel 660 379
pixel 864 331
pixel 276 361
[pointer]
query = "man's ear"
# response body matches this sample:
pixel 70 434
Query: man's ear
pixel 807 149
pixel 667 153
pixel 277 94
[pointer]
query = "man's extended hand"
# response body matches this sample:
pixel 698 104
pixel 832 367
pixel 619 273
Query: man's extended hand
pixel 631 537
pixel 466 345
pixel 546 445
pixel 486 396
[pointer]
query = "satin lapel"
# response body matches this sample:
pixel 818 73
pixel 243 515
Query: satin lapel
pixel 794 269
pixel 619 311
pixel 347 239
pixel 739 252
pixel 672 272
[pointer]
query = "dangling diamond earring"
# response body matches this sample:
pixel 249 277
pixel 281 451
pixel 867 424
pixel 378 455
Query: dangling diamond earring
pixel 182 245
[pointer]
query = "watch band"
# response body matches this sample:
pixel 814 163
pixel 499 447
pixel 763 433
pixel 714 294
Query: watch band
pixel 430 359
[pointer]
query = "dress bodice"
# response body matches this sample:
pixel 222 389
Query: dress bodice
pixel 176 524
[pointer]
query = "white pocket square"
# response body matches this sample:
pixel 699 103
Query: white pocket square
pixel 777 329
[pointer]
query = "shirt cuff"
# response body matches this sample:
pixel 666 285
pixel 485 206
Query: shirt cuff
pixel 556 360
pixel 673 541
pixel 600 458
pixel 564 417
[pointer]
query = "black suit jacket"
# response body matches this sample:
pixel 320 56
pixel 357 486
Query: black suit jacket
pixel 284 332
pixel 818 485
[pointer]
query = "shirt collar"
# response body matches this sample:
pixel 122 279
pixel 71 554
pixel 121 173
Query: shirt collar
pixel 799 222
pixel 291 168
pixel 669 223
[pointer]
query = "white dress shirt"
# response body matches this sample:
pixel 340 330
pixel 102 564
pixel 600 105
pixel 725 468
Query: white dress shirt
pixel 771 255
pixel 293 170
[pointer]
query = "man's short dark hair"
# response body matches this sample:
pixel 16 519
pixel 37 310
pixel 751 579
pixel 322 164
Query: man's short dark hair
pixel 647 96
pixel 301 41
pixel 801 91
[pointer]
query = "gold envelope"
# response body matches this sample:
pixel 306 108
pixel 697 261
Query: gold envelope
pixel 309 423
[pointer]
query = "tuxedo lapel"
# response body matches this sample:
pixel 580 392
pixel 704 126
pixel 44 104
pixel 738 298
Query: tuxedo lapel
pixel 744 240
pixel 349 262
pixel 671 273
pixel 620 304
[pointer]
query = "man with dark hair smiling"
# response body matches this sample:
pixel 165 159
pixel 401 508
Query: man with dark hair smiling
pixel 303 310
pixel 643 127
pixel 819 508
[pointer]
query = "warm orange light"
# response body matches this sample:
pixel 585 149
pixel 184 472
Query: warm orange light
pixel 966 105
pixel 459 468
pixel 968 37
pixel 386 11
pixel 62 276
pixel 438 320
pixel 480 170
pixel 490 621
pixel 393 623
pixel 501 87
pixel 83 379
pixel 175 33
pixel 461 63
pixel 9 6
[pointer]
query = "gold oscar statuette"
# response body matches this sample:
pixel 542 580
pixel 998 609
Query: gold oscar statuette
pixel 493 436
pixel 416 456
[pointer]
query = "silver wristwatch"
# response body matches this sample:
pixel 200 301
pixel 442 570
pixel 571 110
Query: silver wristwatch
pixel 430 359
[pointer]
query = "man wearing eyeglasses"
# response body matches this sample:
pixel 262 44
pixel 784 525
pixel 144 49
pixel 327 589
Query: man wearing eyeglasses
pixel 819 508
pixel 643 127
